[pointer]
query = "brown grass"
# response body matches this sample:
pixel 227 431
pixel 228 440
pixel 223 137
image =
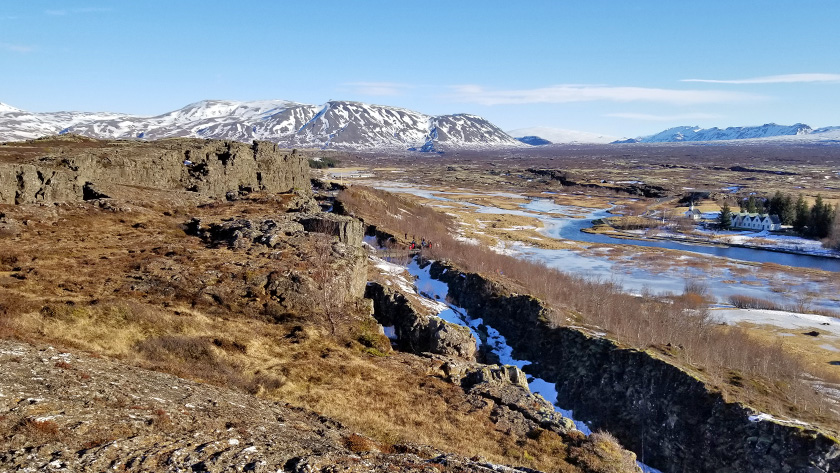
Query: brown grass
pixel 39 429
pixel 141 295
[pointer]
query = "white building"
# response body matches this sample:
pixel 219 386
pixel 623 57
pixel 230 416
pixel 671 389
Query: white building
pixel 693 213
pixel 757 222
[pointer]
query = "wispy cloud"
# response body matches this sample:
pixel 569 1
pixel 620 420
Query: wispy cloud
pixel 780 79
pixel 587 93
pixel 379 88
pixel 16 48
pixel 663 118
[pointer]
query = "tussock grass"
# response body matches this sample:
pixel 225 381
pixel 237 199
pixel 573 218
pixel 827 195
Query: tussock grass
pixel 133 287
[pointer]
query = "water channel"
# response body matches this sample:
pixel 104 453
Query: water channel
pixel 566 222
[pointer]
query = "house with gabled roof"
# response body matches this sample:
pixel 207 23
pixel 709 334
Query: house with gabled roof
pixel 693 213
pixel 756 221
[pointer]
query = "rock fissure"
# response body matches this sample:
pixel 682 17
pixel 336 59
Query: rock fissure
pixel 669 418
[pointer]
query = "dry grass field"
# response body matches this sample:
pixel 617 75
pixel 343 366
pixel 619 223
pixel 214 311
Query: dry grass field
pixel 123 280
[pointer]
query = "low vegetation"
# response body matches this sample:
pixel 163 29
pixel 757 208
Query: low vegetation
pixel 714 352
pixel 132 285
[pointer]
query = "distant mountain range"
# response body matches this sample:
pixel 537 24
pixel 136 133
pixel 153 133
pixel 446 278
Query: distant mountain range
pixel 769 132
pixel 541 135
pixel 334 125
pixel 348 125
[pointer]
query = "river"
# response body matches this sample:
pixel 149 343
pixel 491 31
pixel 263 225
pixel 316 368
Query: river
pixel 669 275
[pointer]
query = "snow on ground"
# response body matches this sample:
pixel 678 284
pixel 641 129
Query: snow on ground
pixel 396 271
pixel 371 241
pixel 778 318
pixel 765 239
pixel 438 290
pixel 767 417
pixel 497 343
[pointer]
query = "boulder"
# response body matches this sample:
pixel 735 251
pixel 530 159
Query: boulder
pixel 349 230
pixel 517 409
pixel 244 233
pixel 416 332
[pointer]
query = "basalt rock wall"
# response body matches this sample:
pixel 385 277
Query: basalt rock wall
pixel 210 167
pixel 416 332
pixel 668 417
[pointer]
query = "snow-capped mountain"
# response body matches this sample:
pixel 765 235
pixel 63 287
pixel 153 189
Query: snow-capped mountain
pixel 693 133
pixel 559 135
pixel 335 125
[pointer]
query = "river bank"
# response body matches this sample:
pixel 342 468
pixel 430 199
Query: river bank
pixel 724 239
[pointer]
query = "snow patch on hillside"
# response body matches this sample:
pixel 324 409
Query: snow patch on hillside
pixel 768 133
pixel 336 124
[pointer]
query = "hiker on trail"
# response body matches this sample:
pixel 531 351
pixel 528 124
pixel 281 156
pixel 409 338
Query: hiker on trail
pixel 423 243
pixel 413 245
pixel 429 244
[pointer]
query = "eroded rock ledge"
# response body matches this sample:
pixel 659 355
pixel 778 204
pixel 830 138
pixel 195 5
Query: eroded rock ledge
pixel 415 332
pixel 669 418
pixel 209 167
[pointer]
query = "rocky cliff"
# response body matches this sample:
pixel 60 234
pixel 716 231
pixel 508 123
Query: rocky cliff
pixel 669 418
pixel 71 168
pixel 416 332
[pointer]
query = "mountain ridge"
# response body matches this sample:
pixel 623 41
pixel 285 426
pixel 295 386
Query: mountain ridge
pixel 768 132
pixel 559 136
pixel 334 125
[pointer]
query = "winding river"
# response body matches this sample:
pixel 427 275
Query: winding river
pixel 566 222
pixel 570 229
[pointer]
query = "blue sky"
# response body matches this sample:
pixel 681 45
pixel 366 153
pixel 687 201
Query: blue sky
pixel 614 67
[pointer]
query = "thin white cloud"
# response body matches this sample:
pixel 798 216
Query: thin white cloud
pixel 780 79
pixel 663 118
pixel 16 48
pixel 567 93
pixel 56 12
pixel 379 88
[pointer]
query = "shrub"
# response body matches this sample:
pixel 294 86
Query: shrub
pixel 747 302
pixel 358 444
pixel 602 453
pixel 39 428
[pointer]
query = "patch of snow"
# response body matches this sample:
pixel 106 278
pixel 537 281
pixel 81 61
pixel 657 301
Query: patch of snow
pixel 495 340
pixel 762 417
pixel 778 318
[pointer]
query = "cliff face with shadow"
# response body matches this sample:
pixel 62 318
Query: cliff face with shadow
pixel 68 170
pixel 670 419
